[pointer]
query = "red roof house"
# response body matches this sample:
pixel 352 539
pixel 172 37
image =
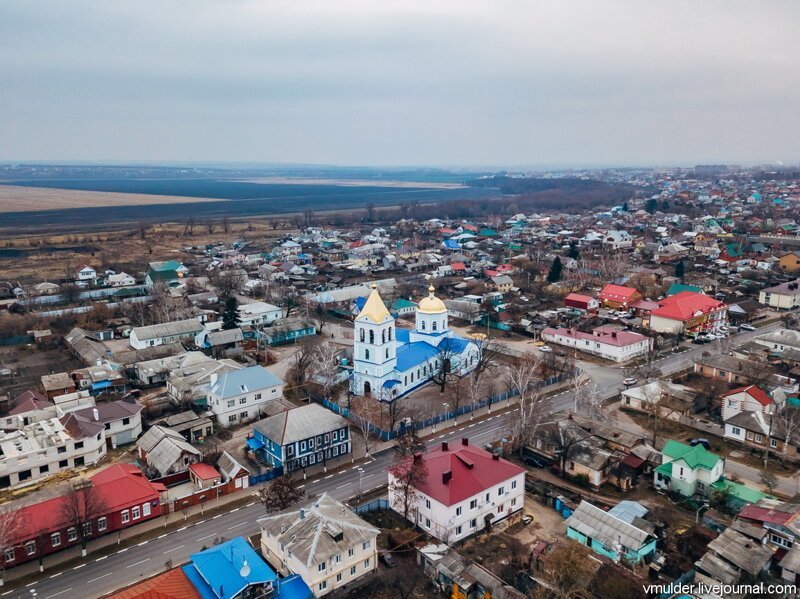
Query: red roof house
pixel 123 495
pixel 581 302
pixel 688 311
pixel 172 584
pixel 464 490
pixel 618 296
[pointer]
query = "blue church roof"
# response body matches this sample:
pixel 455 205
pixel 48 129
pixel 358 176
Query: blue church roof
pixel 402 335
pixel 413 354
pixel 455 344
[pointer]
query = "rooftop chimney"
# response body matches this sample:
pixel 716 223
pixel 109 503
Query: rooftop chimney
pixel 495 457
pixel 444 445
pixel 96 413
pixel 447 475
pixel 464 441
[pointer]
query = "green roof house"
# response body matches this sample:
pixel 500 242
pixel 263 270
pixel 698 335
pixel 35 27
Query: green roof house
pixel 688 470
pixel 676 288
pixel 737 494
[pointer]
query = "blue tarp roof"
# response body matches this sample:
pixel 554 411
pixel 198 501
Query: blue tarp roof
pixel 101 385
pixel 220 569
pixel 293 587
pixel 254 443
pixel 450 244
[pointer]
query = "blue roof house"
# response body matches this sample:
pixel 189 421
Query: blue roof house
pixel 231 570
pixel 240 395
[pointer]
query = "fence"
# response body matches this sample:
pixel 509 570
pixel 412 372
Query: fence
pixel 385 435
pixel 376 505
pixel 265 476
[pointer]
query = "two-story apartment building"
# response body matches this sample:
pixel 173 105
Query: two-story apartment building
pixel 323 542
pixel 257 314
pixel 746 399
pixel 465 490
pixel 688 470
pixel 783 297
pixel 45 447
pixel 240 395
pixel 301 437
pixel 160 334
pixel 121 419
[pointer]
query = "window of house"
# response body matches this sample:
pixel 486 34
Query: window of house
pixel 243 415
pixel 758 438
pixel 30 547
pixel 366 354
pixel 302 445
pixel 428 503
pixel 102 524
pixel 773 443
pixel 351 552
pixel 749 435
pixel 87 529
pixel 135 512
pixel 43 469
pixel 321 567
pixel 10 555
pixel 366 563
pixel 366 545
pixel 514 501
pixel 323 585
pixel 232 418
pixel 257 396
pixel 500 491
pixel 62 449
pixel 473 504
pixel 488 497
pixel 231 403
pixel 458 511
pixel 72 534
pixel 55 539
pixel 458 530
pixel 736 430
pixel 126 421
pixel 352 570
pixel 427 522
pixel 108 426
pixel 242 400
pixel 339 577
pixel 473 523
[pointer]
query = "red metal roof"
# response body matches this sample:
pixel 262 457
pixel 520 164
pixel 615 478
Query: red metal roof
pixel 204 471
pixel 686 305
pixel 458 266
pixel 617 293
pixel 172 584
pixel 756 393
pixel 119 486
pixel 473 470
pixel 762 514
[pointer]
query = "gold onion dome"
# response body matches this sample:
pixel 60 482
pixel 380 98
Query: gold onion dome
pixel 431 304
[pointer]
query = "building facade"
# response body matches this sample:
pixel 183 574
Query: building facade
pixel 240 395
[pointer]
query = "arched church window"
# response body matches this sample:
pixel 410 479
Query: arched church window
pixel 372 337
pixel 383 336
pixel 366 354
pixel 423 325
pixel 390 333
pixel 434 325
pixel 362 335
pixel 387 353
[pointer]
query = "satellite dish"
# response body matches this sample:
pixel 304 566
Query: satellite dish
pixel 245 571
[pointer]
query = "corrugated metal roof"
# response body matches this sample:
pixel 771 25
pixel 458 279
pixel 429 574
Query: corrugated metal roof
pixel 300 424
pixel 591 521
pixel 246 380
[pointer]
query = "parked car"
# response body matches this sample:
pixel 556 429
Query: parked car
pixel 387 559
pixel 629 380
pixel 747 327
pixel 534 461
pixel 545 348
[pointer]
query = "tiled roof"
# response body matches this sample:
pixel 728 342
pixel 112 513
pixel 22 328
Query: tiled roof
pixel 686 305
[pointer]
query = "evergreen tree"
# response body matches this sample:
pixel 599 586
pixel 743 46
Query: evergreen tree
pixel 230 315
pixel 665 205
pixel 625 207
pixel 680 270
pixel 555 271
pixel 651 206
pixel 573 252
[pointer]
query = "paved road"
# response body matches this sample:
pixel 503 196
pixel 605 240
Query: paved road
pixel 97 577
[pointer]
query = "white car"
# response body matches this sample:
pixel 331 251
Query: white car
pixel 545 348
pixel 628 381
pixel 747 327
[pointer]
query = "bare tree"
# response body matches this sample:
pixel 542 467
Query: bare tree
pixel 325 366
pixel 457 392
pixel 405 477
pixel 786 424
pixel 446 355
pixel 567 572
pixel 81 505
pixel 280 493
pixel 525 422
pixel 9 529
pixel 226 283
pixel 162 307
pixel 522 376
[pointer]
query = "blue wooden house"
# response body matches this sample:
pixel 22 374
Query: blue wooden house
pixel 609 534
pixel 300 437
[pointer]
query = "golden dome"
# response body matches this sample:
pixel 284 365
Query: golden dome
pixel 431 304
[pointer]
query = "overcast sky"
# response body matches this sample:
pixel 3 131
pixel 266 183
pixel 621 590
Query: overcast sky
pixel 401 82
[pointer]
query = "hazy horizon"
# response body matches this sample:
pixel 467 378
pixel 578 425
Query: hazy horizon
pixel 475 84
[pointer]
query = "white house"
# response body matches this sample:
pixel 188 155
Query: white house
pixel 159 334
pixel 258 313
pixel 607 341
pixel 121 279
pixel 240 395
pixel 617 240
pixel 121 419
pixel 466 489
pixel 687 469
pixel 746 399
pixel 323 542
pixel 784 296
pixel 779 341
pixel 86 274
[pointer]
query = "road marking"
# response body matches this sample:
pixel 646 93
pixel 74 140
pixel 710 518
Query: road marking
pixel 236 509
pixel 30 584
pixel 329 476
pixel 123 550
pixel 103 576
pixel 237 525
pixel 367 476
pixel 205 537
pixel 301 486
pixel 146 542
pixel 251 503
pixel 471 425
pixel 56 594
pixel 314 481
pixel 217 516
pixel 56 575
pixel 147 559
pixel 6 593
pixel 355 468
pixel 174 549
pixel 162 536
pixel 181 529
pixel 79 567
pixel 100 559
pixel 344 485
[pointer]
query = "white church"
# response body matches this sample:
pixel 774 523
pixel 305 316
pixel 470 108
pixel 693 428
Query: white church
pixel 389 362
